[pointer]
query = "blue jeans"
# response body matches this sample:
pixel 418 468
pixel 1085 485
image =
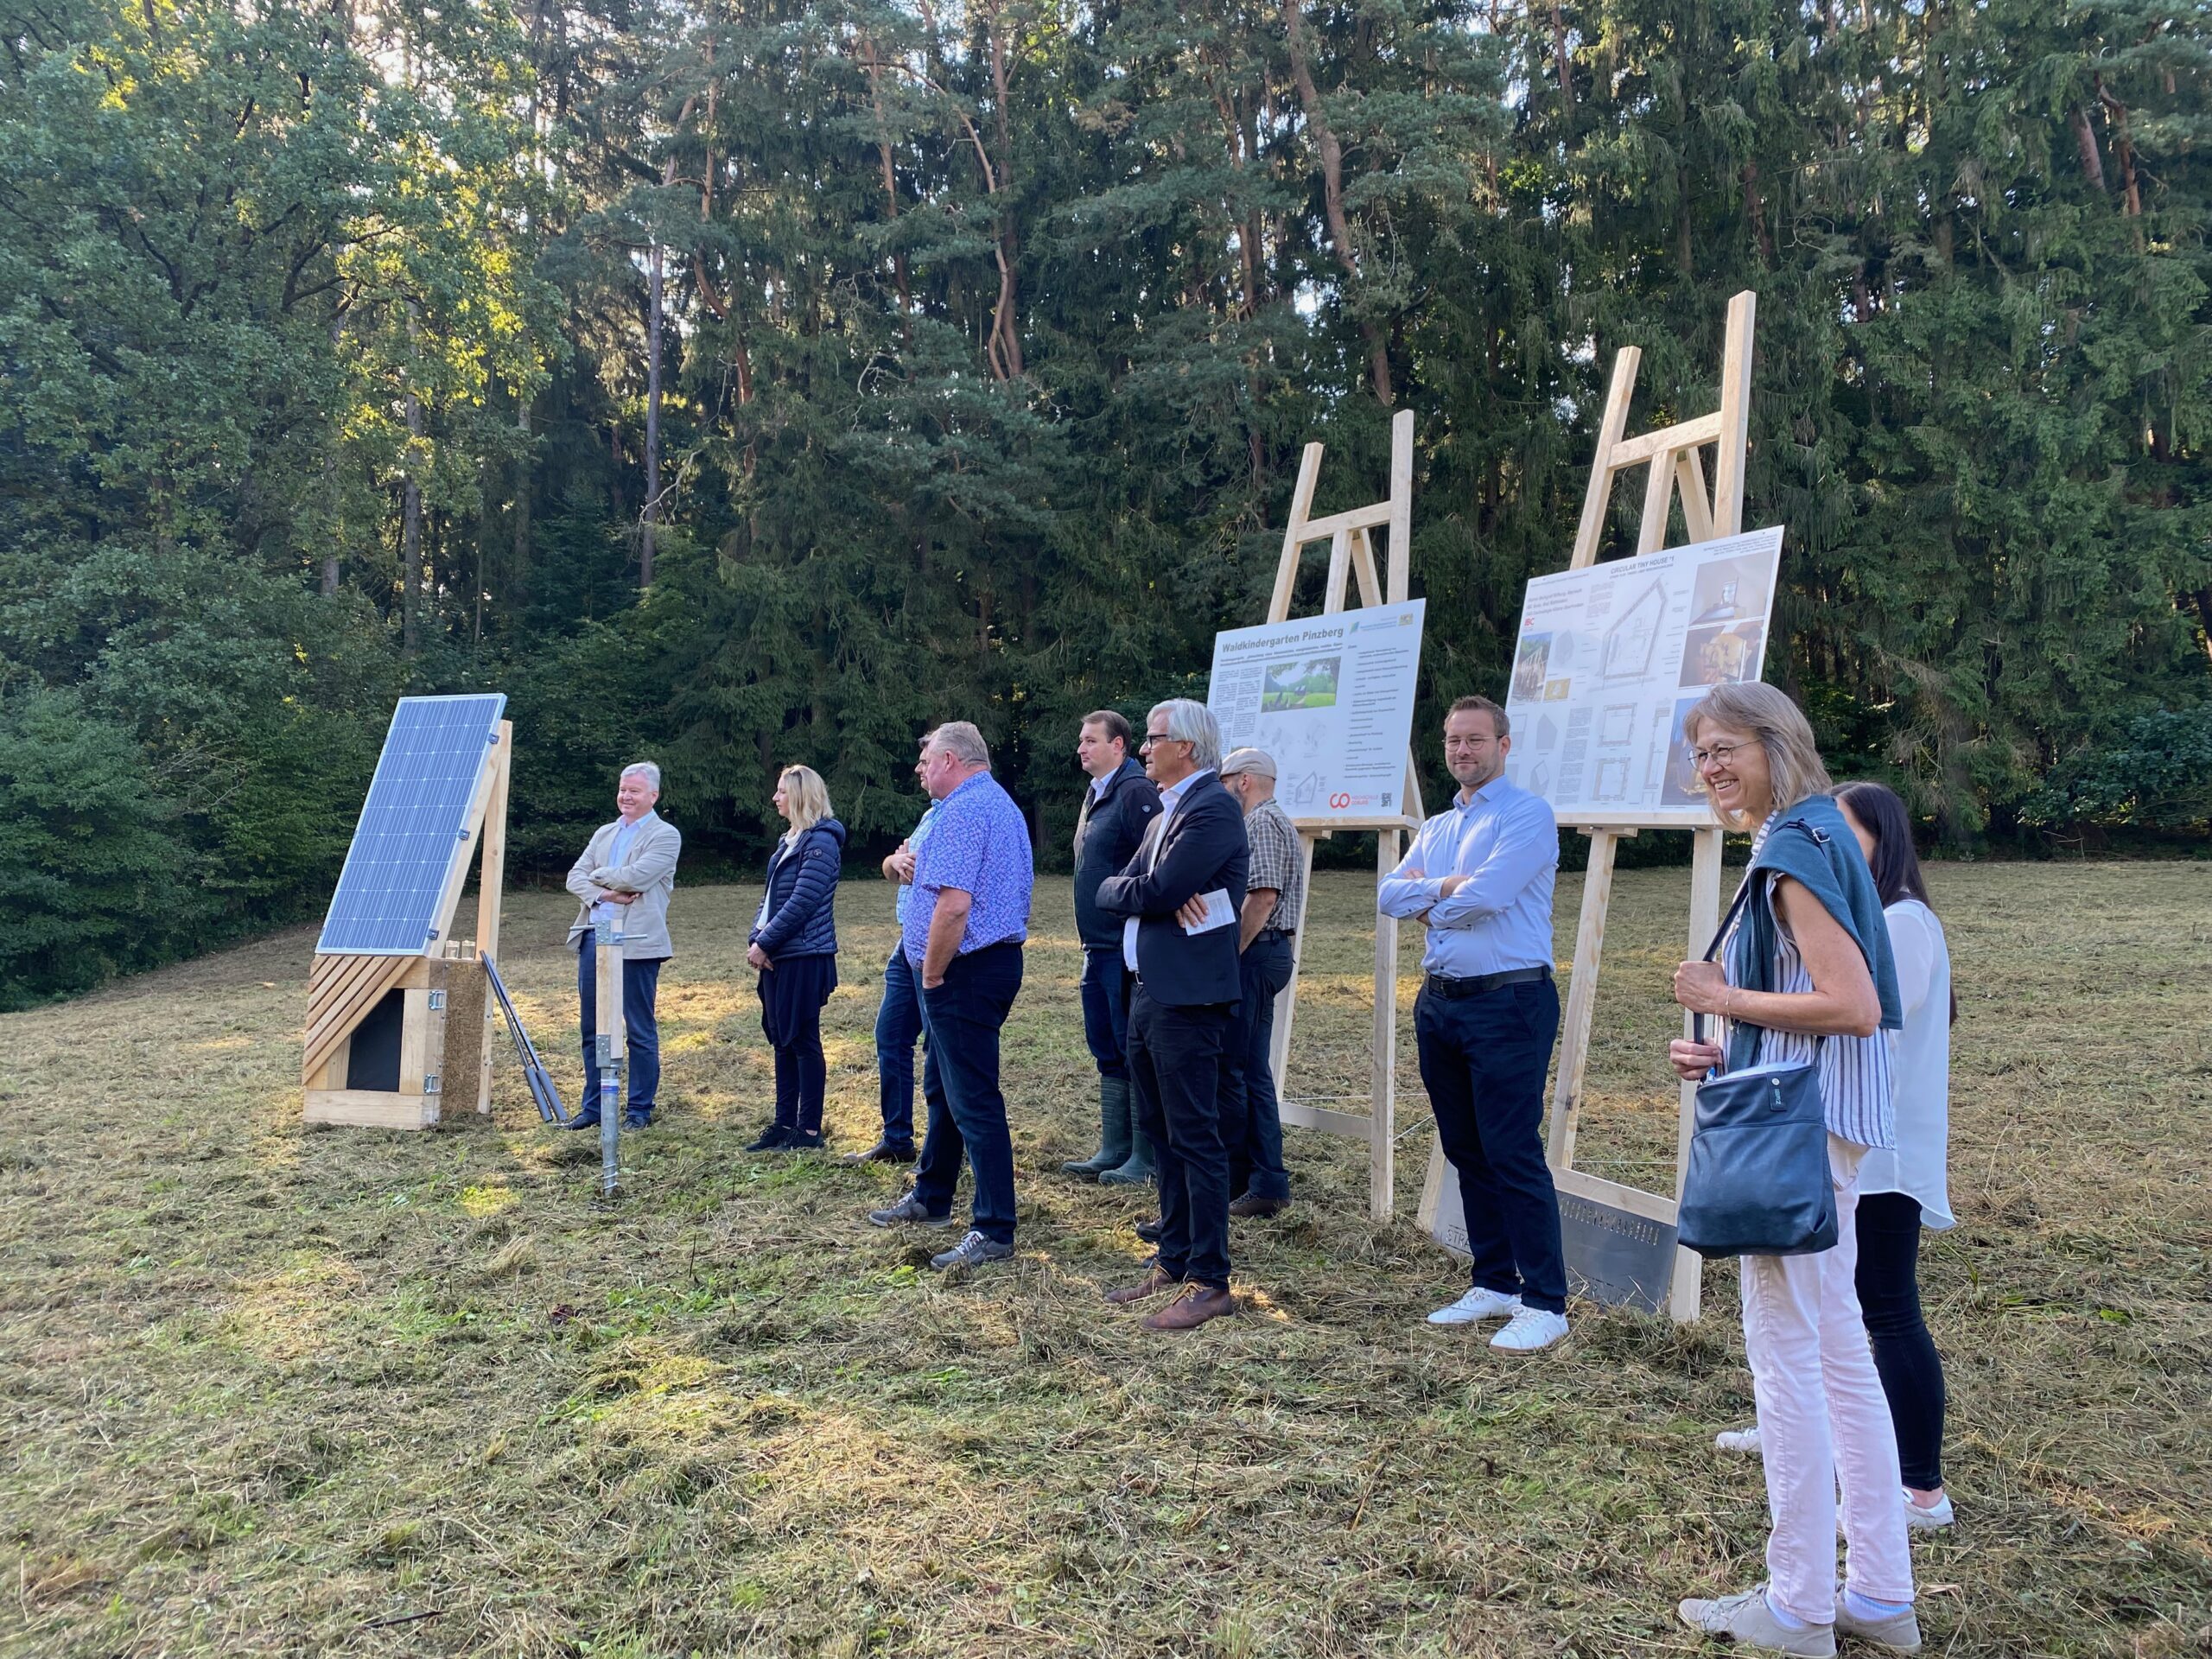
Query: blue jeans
pixel 1482 1059
pixel 898 1024
pixel 960 1083
pixel 1106 1010
pixel 640 981
pixel 1251 1117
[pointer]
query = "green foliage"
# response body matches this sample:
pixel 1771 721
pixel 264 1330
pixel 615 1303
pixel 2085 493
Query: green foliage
pixel 97 883
pixel 2157 775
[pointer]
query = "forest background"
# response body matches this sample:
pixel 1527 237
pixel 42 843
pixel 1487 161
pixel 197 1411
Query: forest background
pixel 745 382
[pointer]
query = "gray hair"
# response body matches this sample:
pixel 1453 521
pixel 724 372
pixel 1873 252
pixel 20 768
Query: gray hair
pixel 1794 771
pixel 644 769
pixel 1192 722
pixel 960 739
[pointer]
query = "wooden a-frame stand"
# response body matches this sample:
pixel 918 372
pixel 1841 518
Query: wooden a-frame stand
pixel 1677 471
pixel 1352 554
pixel 444 1016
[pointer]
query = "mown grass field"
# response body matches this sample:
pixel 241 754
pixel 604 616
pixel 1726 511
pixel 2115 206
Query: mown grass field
pixel 275 1391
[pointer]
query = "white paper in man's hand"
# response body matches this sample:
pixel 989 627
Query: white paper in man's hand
pixel 1219 912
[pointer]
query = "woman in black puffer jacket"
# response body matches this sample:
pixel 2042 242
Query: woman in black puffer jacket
pixel 794 945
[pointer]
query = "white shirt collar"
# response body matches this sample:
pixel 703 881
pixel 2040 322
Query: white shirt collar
pixel 1170 797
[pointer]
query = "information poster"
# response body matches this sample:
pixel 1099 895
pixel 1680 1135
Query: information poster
pixel 1332 699
pixel 1608 660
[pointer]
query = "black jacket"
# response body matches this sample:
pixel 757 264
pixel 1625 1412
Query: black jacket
pixel 1117 822
pixel 803 895
pixel 1204 848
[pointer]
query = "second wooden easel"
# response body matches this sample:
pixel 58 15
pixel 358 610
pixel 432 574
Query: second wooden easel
pixel 1675 473
pixel 1352 555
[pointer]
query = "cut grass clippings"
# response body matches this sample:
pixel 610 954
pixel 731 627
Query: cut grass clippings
pixel 276 1391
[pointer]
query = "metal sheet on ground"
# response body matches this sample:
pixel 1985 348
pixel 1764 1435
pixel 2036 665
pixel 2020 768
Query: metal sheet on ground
pixel 1613 1255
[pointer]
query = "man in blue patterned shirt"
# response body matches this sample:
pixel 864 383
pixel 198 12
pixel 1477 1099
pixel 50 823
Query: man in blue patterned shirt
pixel 962 934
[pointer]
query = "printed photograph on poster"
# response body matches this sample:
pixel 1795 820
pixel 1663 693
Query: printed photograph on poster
pixel 1532 665
pixel 1608 659
pixel 1723 656
pixel 1310 683
pixel 1681 787
pixel 1332 699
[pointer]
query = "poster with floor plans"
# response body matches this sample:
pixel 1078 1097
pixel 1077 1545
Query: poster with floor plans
pixel 1608 660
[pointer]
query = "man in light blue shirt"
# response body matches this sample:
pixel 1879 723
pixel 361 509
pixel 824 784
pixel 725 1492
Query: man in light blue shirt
pixel 1479 876
pixel 898 1017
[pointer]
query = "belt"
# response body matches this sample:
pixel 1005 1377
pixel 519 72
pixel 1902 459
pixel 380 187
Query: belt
pixel 1272 933
pixel 1444 985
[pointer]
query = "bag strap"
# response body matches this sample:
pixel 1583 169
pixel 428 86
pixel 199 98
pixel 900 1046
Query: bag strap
pixel 1735 909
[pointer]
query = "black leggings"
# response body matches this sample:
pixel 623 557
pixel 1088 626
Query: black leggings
pixel 1904 1354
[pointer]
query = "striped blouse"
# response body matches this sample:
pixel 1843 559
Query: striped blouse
pixel 1855 1074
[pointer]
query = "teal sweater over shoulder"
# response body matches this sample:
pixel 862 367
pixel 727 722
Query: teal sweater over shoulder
pixel 1812 844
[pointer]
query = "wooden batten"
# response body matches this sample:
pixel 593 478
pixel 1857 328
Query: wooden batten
pixel 1352 562
pixel 371 1109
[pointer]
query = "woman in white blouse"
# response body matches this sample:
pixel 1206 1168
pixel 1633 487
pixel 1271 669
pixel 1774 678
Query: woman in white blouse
pixel 1902 1189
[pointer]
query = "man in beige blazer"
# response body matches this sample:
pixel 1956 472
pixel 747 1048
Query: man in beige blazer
pixel 628 871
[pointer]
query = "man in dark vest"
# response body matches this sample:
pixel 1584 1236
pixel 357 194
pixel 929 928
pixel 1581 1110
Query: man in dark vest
pixel 1117 807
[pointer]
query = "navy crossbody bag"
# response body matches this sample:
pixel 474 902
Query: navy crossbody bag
pixel 1757 1182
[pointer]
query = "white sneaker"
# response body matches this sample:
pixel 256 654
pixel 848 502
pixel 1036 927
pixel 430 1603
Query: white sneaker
pixel 1746 1440
pixel 1928 1517
pixel 1750 1620
pixel 1477 1305
pixel 1530 1329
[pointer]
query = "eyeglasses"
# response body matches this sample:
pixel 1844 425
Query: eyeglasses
pixel 1151 738
pixel 1719 755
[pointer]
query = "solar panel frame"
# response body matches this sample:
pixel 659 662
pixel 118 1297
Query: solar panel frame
pixel 414 826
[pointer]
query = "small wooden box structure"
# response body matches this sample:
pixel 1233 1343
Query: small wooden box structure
pixel 397 1038
pixel 390 1038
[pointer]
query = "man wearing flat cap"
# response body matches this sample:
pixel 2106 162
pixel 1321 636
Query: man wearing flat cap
pixel 1275 905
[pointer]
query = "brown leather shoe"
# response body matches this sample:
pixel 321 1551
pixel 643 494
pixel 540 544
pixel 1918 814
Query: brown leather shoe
pixel 1198 1303
pixel 1156 1278
pixel 1251 1206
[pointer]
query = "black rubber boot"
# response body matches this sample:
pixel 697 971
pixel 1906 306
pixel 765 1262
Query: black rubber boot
pixel 1113 1132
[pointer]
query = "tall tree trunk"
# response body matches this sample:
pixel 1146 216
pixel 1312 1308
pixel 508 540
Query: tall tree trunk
pixel 1003 316
pixel 525 487
pixel 2085 143
pixel 1332 192
pixel 411 512
pixel 1561 66
pixel 899 271
pixel 656 287
pixel 653 286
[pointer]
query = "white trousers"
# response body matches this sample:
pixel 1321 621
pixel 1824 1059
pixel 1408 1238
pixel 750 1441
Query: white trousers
pixel 1824 1420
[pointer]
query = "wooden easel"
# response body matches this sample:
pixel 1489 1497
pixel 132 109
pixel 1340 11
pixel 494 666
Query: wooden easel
pixel 1351 553
pixel 1677 471
pixel 447 1018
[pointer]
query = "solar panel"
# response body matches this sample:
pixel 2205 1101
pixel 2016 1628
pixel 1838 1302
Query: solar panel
pixel 413 826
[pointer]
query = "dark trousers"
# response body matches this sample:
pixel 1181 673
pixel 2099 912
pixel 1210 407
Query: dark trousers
pixel 792 995
pixel 960 1084
pixel 1106 1010
pixel 1175 1071
pixel 1904 1354
pixel 898 1024
pixel 1482 1059
pixel 1250 1111
pixel 640 981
